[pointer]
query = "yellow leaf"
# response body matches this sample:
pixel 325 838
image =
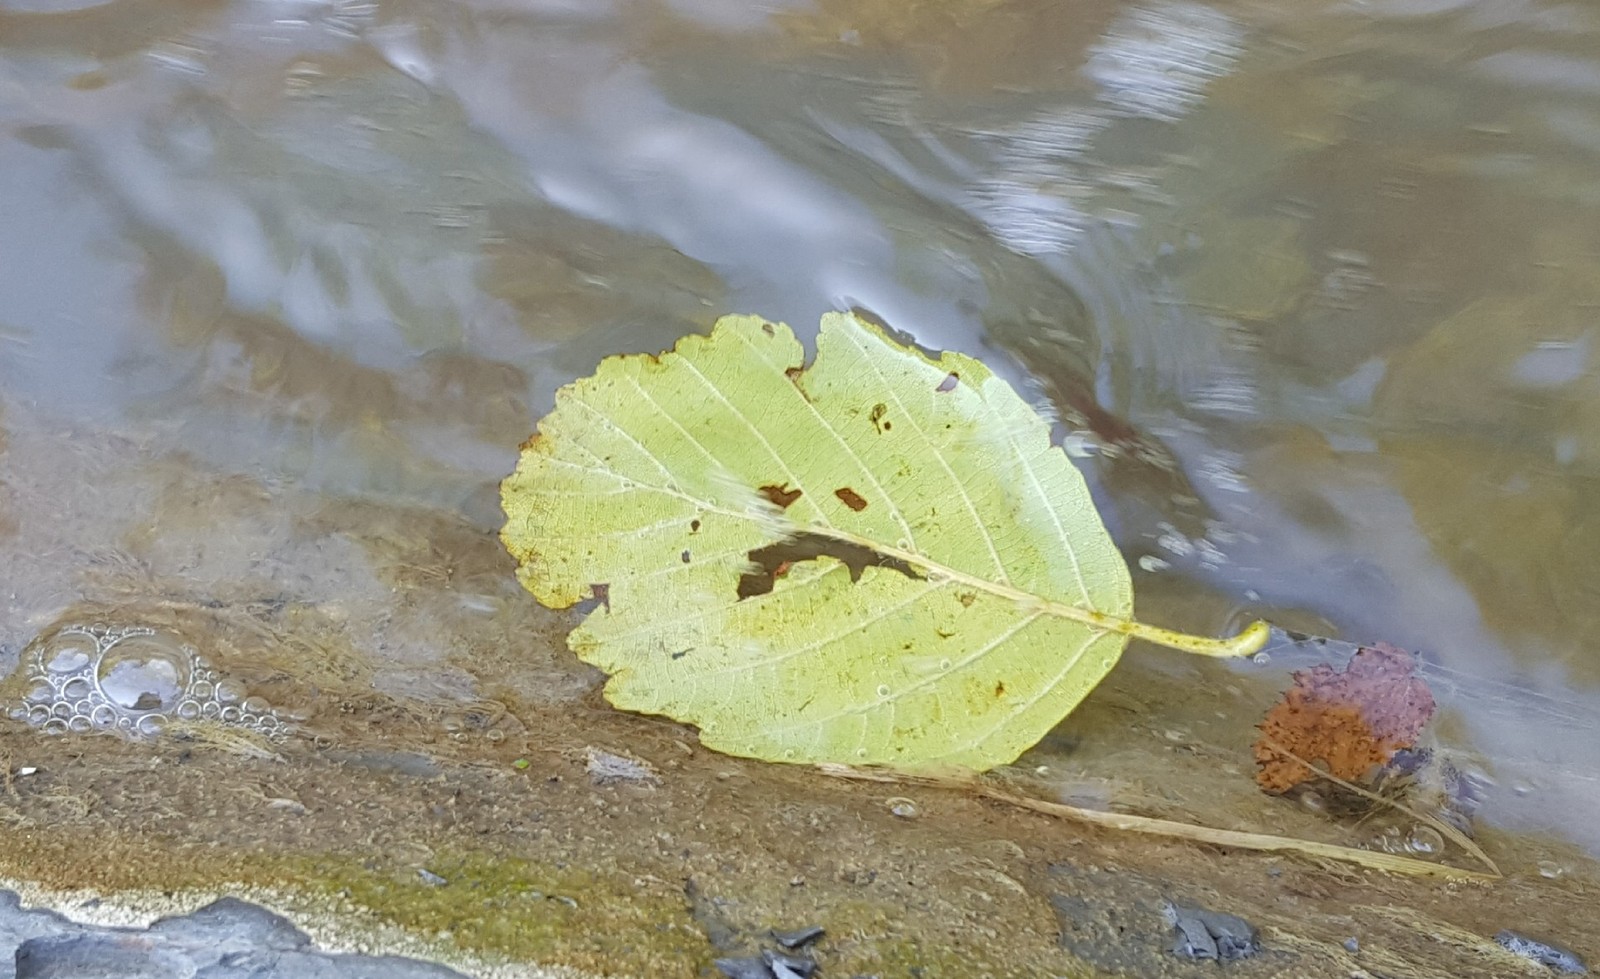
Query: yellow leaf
pixel 991 603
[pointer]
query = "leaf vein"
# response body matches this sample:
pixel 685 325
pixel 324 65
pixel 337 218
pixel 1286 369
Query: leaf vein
pixel 934 449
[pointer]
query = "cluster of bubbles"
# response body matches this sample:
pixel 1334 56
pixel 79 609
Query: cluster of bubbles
pixel 134 681
pixel 1415 840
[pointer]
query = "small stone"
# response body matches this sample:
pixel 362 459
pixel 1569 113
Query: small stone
pixel 903 807
pixel 788 966
pixel 745 968
pixel 1204 934
pixel 430 878
pixel 799 938
pixel 608 767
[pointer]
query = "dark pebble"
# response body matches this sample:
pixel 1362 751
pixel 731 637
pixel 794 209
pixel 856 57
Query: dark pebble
pixel 752 967
pixel 1204 934
pixel 789 966
pixel 799 938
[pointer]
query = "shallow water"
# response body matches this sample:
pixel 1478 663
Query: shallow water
pixel 1312 291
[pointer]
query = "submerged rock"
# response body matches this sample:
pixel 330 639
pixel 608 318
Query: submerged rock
pixel 1545 953
pixel 1204 934
pixel 799 937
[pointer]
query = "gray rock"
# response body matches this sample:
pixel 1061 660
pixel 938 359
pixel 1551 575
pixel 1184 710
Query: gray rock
pixel 226 939
pixel 1206 934
pixel 751 967
pixel 18 924
pixel 234 922
pixel 786 966
pixel 799 938
pixel 99 955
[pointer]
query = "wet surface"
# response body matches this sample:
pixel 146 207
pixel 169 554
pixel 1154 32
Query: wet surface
pixel 286 284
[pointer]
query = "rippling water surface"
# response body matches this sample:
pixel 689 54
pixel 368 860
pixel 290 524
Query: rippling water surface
pixel 1314 290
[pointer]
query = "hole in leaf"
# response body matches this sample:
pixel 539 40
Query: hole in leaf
pixel 780 496
pixel 776 560
pixel 949 383
pixel 850 498
pixel 599 595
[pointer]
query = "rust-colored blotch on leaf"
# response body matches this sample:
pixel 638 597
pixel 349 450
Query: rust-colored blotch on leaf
pixel 1349 723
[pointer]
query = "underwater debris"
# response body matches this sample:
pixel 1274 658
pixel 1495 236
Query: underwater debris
pixel 1205 934
pixel 768 965
pixel 751 967
pixel 1353 724
pixel 1546 954
pixel 608 767
pixel 799 937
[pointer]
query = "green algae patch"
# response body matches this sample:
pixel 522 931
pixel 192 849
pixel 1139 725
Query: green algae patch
pixel 521 911
pixel 509 910
pixel 497 909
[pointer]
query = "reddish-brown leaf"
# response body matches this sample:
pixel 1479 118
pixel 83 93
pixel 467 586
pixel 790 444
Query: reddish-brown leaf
pixel 1350 724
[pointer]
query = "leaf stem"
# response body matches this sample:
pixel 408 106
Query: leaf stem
pixel 1247 642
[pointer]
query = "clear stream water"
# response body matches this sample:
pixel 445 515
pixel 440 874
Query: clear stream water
pixel 1314 289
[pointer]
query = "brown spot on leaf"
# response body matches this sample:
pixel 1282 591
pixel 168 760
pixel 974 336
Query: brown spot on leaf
pixel 780 496
pixel 694 526
pixel 949 383
pixel 999 688
pixel 768 330
pixel 850 498
pixel 1351 723
pixel 966 598
pixel 685 556
pixel 876 416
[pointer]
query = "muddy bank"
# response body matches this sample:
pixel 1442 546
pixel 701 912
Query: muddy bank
pixel 542 863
